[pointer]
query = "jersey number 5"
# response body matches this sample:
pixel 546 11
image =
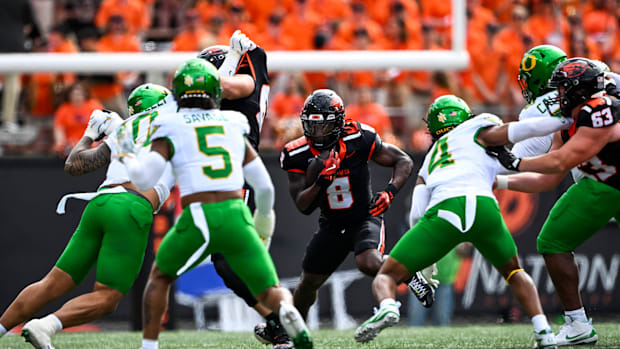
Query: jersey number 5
pixel 214 173
pixel 441 157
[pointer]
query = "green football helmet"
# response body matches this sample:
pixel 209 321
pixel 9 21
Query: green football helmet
pixel 146 97
pixel 197 79
pixel 535 70
pixel 446 113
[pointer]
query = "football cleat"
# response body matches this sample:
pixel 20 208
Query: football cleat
pixel 423 290
pixel 576 332
pixel 295 326
pixel 383 318
pixel 545 339
pixel 273 333
pixel 38 334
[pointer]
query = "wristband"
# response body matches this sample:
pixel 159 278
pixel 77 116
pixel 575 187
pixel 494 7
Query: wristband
pixel 502 182
pixel 391 188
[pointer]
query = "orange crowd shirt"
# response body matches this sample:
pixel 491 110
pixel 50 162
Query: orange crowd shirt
pixel 132 11
pixel 73 119
pixel 373 115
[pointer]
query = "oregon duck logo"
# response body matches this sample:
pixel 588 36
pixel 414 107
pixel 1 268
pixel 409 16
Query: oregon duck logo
pixel 528 63
pixel 441 117
pixel 188 80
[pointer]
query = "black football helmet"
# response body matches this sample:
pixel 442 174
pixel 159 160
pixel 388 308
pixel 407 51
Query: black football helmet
pixel 576 80
pixel 323 118
pixel 214 54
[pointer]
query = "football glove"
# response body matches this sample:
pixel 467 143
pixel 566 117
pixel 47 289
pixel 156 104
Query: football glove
pixel 382 200
pixel 96 125
pixel 240 43
pixel 428 274
pixel 330 168
pixel 113 120
pixel 505 157
pixel 265 226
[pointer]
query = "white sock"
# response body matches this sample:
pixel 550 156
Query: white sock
pixel 2 330
pixel 53 322
pixel 578 314
pixel 387 302
pixel 149 344
pixel 540 323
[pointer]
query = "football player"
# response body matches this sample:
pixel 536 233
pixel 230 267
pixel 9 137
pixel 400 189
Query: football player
pixel 592 146
pixel 454 202
pixel 116 245
pixel 210 157
pixel 328 168
pixel 245 83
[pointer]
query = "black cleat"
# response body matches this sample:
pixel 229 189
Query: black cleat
pixel 273 333
pixel 423 291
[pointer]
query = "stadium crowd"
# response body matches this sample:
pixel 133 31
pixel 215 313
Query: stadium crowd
pixel 393 101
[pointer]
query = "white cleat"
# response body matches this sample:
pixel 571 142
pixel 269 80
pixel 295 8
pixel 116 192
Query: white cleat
pixel 38 334
pixel 383 318
pixel 545 339
pixel 295 326
pixel 576 332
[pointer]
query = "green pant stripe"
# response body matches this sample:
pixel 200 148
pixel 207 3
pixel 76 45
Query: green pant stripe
pixel 200 221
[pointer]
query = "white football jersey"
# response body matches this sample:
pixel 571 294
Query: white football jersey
pixel 457 165
pixel 545 105
pixel 140 124
pixel 208 148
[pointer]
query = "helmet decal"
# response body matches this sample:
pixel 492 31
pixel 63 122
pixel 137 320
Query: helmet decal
pixel 573 70
pixel 528 63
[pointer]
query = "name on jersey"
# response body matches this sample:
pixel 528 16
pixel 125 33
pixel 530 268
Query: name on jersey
pixel 343 172
pixel 191 118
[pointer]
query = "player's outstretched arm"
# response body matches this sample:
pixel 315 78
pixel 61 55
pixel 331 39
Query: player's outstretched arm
pixel 258 178
pixel 518 131
pixel 237 86
pixel 83 159
pixel 586 143
pixel 145 170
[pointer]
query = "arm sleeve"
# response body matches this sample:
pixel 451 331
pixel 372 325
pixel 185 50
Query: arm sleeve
pixel 533 146
pixel 164 185
pixel 419 201
pixel 145 170
pixel 536 127
pixel 257 177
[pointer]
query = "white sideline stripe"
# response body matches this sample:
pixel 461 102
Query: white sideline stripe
pixel 299 150
pixel 355 135
pixel 200 221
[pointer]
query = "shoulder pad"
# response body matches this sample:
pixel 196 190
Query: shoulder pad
pixel 490 117
pixel 368 128
pixel 296 144
pixel 351 127
pixel 596 103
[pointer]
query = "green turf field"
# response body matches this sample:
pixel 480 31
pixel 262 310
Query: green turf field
pixel 488 336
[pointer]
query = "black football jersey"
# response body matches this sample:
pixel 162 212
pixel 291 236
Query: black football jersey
pixel 254 106
pixel 599 112
pixel 349 196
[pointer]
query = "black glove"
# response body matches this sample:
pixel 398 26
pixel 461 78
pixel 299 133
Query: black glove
pixel 505 157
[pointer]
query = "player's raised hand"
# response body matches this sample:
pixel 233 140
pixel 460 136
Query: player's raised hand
pixel 505 157
pixel 113 120
pixel 96 125
pixel 382 200
pixel 240 43
pixel 330 168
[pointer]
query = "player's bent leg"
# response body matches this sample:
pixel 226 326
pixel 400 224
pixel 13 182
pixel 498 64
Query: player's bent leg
pixel 155 302
pixel 89 307
pixel 233 282
pixel 34 297
pixel 306 291
pixel 369 261
pixel 384 288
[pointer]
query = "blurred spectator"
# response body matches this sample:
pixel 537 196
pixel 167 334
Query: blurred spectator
pixel 359 20
pixel 193 37
pixel 116 39
pixel 284 112
pixel 302 25
pixel 479 17
pixel 207 9
pixel 44 87
pixel 274 38
pixel 547 25
pixel 134 12
pixel 16 24
pixel 373 114
pixel 76 15
pixel 331 10
pixel 437 15
pixel 510 43
pixel 443 308
pixel 581 45
pixel 71 118
pixel 168 17
pixel 600 24
pixel 238 18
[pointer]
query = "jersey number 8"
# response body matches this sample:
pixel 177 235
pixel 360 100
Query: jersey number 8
pixel 339 195
pixel 214 173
